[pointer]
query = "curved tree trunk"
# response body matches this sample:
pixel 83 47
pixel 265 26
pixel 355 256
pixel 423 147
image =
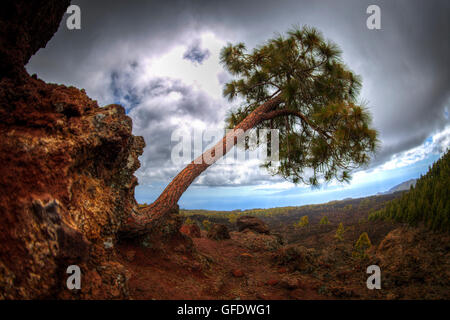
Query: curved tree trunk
pixel 154 214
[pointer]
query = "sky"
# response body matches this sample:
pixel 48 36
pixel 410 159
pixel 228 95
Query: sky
pixel 160 60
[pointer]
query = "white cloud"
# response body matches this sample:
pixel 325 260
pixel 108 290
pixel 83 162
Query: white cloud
pixel 438 143
pixel 172 65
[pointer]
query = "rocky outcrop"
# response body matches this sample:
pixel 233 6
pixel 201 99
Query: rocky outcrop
pixel 415 263
pixel 218 232
pixel 297 258
pixel 25 27
pixel 191 230
pixel 166 238
pixel 253 224
pixel 66 177
pixel 258 242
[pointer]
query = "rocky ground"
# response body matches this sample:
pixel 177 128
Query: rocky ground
pixel 254 265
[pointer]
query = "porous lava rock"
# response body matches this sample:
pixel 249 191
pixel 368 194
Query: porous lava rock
pixel 66 174
pixel 252 223
pixel 192 230
pixel 218 232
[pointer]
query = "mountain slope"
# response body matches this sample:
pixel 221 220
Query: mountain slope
pixel 427 203
pixel 404 186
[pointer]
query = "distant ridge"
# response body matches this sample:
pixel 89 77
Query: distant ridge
pixel 404 186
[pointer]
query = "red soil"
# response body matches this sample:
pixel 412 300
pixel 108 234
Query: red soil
pixel 214 270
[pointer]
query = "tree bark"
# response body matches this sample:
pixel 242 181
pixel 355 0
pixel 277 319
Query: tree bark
pixel 154 215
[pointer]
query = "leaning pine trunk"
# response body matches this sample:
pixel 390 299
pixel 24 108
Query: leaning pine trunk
pixel 154 214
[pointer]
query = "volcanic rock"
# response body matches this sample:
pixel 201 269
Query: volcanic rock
pixel 66 177
pixel 25 27
pixel 191 230
pixel 218 232
pixel 251 223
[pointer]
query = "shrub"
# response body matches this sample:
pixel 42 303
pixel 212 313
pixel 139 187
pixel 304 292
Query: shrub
pixel 324 221
pixel 340 232
pixel 362 245
pixel 303 222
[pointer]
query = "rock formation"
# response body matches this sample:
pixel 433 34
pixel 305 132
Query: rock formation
pixel 191 230
pixel 252 223
pixel 218 232
pixel 66 174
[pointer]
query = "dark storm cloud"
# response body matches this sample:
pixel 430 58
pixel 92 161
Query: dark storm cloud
pixel 163 102
pixel 196 54
pixel 404 66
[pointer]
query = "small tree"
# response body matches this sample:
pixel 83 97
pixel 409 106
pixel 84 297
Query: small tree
pixel 303 222
pixel 348 207
pixel 189 221
pixel 340 232
pixel 362 245
pixel 324 221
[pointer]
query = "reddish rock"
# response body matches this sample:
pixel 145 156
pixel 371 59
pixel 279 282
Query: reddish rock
pixel 282 270
pixel 251 223
pixel 218 232
pixel 23 31
pixel 191 230
pixel 272 282
pixel 289 283
pixel 297 258
pixel 237 273
pixel 67 166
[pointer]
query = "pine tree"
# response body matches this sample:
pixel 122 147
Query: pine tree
pixel 299 85
pixel 324 221
pixel 361 246
pixel 340 232
pixel 303 222
pixel 427 203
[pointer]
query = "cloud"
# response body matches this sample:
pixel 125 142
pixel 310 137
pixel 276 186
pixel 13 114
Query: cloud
pixel 196 54
pixel 161 61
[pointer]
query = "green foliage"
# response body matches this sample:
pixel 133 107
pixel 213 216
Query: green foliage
pixel 340 232
pixel 303 222
pixel 361 246
pixel 365 204
pixel 310 210
pixel 207 224
pixel 189 221
pixel 324 221
pixel 232 217
pixel 427 203
pixel 324 132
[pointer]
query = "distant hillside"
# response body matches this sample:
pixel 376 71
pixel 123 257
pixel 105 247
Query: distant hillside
pixel 337 211
pixel 428 202
pixel 404 186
